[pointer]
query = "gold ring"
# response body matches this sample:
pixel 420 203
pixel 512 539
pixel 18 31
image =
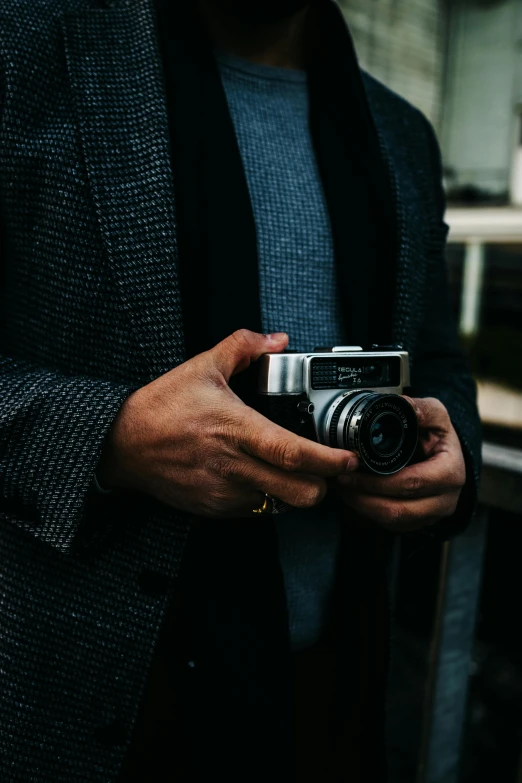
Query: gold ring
pixel 267 507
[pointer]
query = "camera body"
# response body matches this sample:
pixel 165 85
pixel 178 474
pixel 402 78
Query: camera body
pixel 344 397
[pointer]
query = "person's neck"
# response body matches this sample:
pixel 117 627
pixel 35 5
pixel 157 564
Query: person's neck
pixel 280 45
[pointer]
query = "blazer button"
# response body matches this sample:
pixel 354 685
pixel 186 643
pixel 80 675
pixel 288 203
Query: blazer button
pixel 153 583
pixel 112 734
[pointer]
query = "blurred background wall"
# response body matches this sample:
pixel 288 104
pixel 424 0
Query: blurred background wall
pixel 460 63
pixel 403 43
pixel 456 686
pixel 483 98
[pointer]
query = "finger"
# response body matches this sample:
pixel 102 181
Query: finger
pixel 275 445
pixel 434 476
pixel 236 352
pixel 431 413
pixel 238 506
pixel 298 490
pixel 402 515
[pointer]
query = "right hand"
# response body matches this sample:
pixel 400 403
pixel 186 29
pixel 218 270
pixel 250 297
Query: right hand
pixel 190 442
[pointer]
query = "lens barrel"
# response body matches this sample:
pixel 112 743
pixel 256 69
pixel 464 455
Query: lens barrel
pixel 381 429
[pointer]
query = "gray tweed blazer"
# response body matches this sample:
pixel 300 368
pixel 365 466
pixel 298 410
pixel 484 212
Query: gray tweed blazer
pixel 90 312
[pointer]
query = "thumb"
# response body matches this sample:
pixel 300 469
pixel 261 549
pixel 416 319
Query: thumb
pixel 236 352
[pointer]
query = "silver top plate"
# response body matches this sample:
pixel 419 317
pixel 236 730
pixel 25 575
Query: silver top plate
pixel 289 373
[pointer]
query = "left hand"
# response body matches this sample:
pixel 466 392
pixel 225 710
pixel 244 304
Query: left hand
pixel 420 494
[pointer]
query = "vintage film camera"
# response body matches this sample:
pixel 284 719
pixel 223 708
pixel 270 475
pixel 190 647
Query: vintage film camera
pixel 346 398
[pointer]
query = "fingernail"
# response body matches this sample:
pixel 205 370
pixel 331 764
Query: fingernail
pixel 276 336
pixel 353 464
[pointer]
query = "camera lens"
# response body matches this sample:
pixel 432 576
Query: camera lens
pixel 381 428
pixel 386 434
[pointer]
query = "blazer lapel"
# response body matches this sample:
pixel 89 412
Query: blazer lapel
pixel 410 218
pixel 411 251
pixel 411 261
pixel 115 71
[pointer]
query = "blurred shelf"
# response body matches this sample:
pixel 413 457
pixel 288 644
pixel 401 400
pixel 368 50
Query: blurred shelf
pixel 501 485
pixel 488 224
pixel 502 457
pixel 500 406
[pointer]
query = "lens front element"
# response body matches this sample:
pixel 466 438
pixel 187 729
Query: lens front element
pixel 386 434
pixel 381 428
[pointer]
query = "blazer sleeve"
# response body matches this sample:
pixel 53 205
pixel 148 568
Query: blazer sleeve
pixel 440 368
pixel 52 430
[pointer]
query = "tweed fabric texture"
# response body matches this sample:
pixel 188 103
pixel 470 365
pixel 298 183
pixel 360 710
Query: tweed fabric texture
pixel 298 290
pixel 91 311
pixel 89 242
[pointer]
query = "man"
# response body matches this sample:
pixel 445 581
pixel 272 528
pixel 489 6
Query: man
pixel 181 185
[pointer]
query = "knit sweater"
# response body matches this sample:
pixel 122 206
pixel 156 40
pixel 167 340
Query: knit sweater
pixel 269 109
